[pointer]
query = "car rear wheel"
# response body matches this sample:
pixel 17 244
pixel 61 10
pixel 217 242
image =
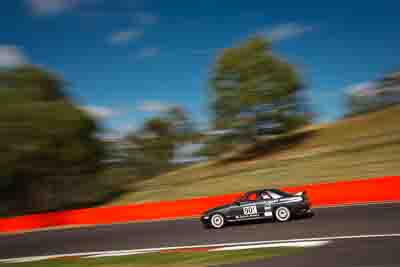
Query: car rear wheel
pixel 282 214
pixel 217 221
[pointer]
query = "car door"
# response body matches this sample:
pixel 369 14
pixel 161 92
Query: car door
pixel 248 208
pixel 276 199
pixel 266 204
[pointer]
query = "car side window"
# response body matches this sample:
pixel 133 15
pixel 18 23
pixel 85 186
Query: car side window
pixel 274 195
pixel 264 196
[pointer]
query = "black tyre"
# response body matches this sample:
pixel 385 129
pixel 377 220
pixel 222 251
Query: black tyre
pixel 282 214
pixel 217 221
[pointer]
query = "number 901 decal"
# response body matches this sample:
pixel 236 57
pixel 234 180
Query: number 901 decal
pixel 251 210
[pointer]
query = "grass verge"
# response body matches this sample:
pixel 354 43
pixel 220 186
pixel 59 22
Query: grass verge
pixel 180 259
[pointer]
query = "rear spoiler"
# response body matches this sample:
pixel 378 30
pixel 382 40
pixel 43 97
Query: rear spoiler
pixel 300 194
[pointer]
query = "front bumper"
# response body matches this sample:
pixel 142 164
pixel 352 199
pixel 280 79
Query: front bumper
pixel 205 219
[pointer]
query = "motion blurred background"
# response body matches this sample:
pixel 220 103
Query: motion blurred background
pixel 113 102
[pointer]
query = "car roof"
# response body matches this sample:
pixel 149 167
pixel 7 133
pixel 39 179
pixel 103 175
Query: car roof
pixel 259 190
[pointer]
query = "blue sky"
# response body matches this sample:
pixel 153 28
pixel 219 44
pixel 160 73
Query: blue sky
pixel 127 59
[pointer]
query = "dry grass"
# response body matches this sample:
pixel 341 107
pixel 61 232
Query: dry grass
pixel 360 147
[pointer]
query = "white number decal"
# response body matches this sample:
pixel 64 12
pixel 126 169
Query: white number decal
pixel 251 210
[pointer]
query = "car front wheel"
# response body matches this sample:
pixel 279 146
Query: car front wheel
pixel 217 221
pixel 282 214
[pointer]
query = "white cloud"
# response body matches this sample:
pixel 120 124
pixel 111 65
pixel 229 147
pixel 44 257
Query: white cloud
pixel 146 18
pixel 51 7
pixel 286 31
pixel 125 36
pixel 101 112
pixel 131 34
pixel 148 52
pixel 362 89
pixel 11 56
pixel 153 106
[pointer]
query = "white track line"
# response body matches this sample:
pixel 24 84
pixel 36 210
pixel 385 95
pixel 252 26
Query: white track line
pixel 211 246
pixel 118 254
pixel 40 258
pixel 303 244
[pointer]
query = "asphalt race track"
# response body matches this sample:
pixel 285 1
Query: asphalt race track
pixel 373 252
pixel 328 222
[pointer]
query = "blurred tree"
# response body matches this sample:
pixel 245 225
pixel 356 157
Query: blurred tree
pixel 182 127
pixel 158 127
pixel 250 86
pixel 373 96
pixel 35 83
pixel 357 103
pixel 49 155
pixel 153 146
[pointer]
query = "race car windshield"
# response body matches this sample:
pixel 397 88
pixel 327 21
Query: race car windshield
pixel 247 197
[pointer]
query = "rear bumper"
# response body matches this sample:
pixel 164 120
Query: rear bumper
pixel 304 212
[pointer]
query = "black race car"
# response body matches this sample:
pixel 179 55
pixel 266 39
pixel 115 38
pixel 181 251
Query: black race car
pixel 261 204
